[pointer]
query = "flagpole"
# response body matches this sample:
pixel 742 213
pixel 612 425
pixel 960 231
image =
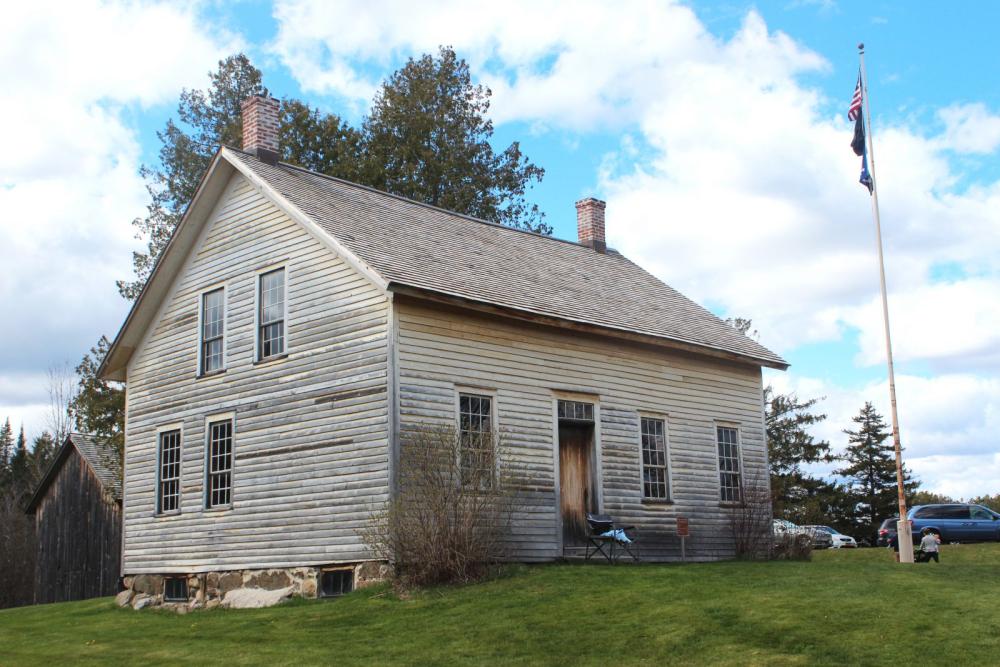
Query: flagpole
pixel 903 531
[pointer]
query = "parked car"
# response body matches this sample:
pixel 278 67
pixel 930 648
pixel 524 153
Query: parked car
pixel 886 531
pixel 838 540
pixel 820 539
pixel 956 522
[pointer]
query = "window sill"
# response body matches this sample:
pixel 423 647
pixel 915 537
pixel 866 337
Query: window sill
pixel 657 501
pixel 164 515
pixel 210 374
pixel 217 509
pixel 271 359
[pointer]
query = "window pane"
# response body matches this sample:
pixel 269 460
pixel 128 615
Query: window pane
pixel 168 489
pixel 220 463
pixel 476 439
pixel 212 330
pixel 729 463
pixel 271 315
pixel 654 457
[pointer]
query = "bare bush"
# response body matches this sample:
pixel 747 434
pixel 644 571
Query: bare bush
pixel 750 520
pixel 792 546
pixel 449 520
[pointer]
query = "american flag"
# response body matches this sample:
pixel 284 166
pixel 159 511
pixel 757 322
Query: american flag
pixel 855 109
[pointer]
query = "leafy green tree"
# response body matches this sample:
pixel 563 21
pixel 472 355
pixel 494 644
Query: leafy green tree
pixel 993 502
pixel 99 406
pixel 930 498
pixel 871 471
pixel 428 138
pixel 213 117
pixel 320 142
pixel 790 446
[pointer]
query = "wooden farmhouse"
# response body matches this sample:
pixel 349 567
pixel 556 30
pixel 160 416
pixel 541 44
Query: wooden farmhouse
pixel 78 524
pixel 297 323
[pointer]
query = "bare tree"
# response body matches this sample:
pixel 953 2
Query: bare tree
pixel 451 516
pixel 750 520
pixel 62 389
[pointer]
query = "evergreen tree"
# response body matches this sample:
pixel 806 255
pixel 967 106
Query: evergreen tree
pixel 871 472
pixel 6 452
pixel 428 138
pixel 99 407
pixel 993 502
pixel 787 421
pixel 42 451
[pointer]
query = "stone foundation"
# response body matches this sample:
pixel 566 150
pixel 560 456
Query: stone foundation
pixel 241 588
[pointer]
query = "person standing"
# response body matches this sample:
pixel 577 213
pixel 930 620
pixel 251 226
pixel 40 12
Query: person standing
pixel 929 546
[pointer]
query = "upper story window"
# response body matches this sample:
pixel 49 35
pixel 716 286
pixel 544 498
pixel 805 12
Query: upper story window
pixel 654 458
pixel 475 420
pixel 730 480
pixel 212 330
pixel 219 482
pixel 271 314
pixel 168 474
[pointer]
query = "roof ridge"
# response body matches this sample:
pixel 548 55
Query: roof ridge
pixel 465 216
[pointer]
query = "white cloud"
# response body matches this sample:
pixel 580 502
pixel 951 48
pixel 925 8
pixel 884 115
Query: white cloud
pixel 949 424
pixel 746 195
pixel 970 128
pixel 69 183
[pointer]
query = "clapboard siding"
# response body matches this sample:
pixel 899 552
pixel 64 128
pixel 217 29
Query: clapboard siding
pixel 311 429
pixel 441 348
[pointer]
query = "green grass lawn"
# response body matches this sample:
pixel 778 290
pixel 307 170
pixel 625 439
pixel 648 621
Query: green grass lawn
pixel 851 607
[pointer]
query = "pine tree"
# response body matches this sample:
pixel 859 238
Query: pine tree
pixel 6 452
pixel 790 446
pixel 428 138
pixel 871 471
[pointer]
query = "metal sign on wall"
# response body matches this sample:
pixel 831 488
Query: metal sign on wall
pixel 682 527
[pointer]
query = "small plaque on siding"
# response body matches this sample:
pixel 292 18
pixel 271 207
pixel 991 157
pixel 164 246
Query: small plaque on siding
pixel 682 527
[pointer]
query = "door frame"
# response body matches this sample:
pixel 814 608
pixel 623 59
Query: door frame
pixel 596 472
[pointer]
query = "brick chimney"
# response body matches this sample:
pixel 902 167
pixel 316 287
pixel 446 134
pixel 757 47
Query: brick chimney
pixel 590 223
pixel 260 128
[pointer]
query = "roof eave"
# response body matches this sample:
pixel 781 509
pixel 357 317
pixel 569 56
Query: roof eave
pixel 115 362
pixel 577 325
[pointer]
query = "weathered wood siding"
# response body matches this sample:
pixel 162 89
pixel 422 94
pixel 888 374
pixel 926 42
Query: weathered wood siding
pixel 78 528
pixel 311 429
pixel 528 366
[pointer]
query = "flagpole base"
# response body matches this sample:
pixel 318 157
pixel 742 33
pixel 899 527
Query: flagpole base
pixel 904 533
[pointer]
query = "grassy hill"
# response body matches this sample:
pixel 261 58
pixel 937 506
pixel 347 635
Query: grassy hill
pixel 843 608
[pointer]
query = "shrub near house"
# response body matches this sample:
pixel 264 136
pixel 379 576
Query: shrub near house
pixel 297 324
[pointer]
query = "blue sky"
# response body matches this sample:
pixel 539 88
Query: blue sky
pixel 716 131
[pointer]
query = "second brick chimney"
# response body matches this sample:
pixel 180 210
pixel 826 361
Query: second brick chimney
pixel 590 223
pixel 260 127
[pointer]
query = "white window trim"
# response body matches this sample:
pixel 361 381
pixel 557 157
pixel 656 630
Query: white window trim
pixel 206 492
pixel 494 414
pixel 224 286
pixel 665 418
pixel 257 359
pixel 715 453
pixel 179 427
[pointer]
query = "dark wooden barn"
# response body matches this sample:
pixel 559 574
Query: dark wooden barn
pixel 78 523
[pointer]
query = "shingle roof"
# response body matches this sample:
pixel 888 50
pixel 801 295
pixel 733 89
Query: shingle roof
pixel 98 456
pixel 423 247
pixel 101 458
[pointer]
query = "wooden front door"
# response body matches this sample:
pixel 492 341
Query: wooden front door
pixel 575 493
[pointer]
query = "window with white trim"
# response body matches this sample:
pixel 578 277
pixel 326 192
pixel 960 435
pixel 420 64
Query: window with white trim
pixel 475 419
pixel 654 458
pixel 728 439
pixel 168 476
pixel 220 464
pixel 212 330
pixel 271 314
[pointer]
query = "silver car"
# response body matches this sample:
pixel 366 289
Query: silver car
pixel 837 540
